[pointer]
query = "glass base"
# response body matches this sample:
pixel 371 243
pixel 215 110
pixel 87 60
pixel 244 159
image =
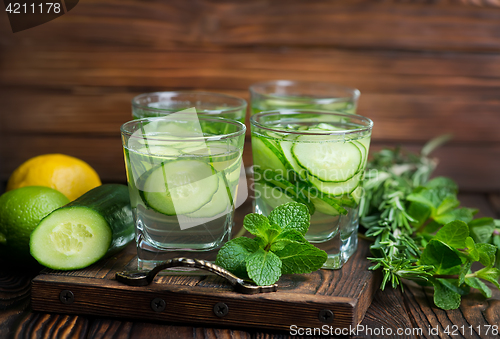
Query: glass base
pixel 148 257
pixel 338 250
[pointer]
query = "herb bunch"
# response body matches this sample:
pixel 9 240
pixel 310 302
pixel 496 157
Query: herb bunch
pixel 278 247
pixel 421 233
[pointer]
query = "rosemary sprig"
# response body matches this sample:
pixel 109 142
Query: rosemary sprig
pixel 420 232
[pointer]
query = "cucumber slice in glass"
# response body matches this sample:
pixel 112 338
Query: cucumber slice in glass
pixel 267 155
pixel 272 196
pixel 217 205
pixel 328 161
pixel 337 188
pixel 180 187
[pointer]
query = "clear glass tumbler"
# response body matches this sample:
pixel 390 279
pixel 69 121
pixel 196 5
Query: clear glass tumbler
pixel 183 172
pixel 207 103
pixel 316 158
pixel 286 94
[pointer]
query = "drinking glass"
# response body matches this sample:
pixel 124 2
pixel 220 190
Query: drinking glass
pixel 206 103
pixel 286 94
pixel 316 158
pixel 183 172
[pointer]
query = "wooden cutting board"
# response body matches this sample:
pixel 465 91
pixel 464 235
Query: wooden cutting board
pixel 337 298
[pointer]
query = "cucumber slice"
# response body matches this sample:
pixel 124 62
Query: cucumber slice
pixel 324 207
pixel 327 127
pixel 274 179
pixel 179 187
pixel 96 225
pixel 357 194
pixel 364 153
pixel 159 151
pixel 266 155
pixel 217 205
pixel 272 196
pixel 337 188
pixel 328 161
pixel 291 163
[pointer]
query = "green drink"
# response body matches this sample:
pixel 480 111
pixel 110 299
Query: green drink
pixel 206 103
pixel 285 94
pixel 316 158
pixel 183 183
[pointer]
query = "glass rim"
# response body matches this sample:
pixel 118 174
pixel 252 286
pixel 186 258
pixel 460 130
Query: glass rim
pixel 240 131
pixel 254 89
pixel 289 112
pixel 242 102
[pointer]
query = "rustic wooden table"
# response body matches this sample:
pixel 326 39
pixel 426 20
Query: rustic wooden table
pixel 393 313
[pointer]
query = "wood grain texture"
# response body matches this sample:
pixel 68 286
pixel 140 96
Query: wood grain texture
pixel 423 68
pixel 191 299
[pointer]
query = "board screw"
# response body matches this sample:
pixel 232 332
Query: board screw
pixel 158 305
pixel 221 310
pixel 325 316
pixel 66 297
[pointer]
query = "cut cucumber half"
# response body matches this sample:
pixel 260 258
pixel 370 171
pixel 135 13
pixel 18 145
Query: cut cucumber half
pixel 337 188
pixel 266 155
pixel 71 238
pixel 96 225
pixel 180 187
pixel 328 161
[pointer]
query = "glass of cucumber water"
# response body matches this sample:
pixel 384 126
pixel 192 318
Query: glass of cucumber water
pixel 183 172
pixel 316 158
pixel 206 103
pixel 286 94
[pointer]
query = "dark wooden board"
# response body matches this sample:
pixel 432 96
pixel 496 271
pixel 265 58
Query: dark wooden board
pixel 190 299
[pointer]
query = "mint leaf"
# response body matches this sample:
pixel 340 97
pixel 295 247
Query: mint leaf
pixel 464 270
pixel 444 259
pixel 444 296
pixel 419 212
pixel 490 274
pixel 464 214
pixel 479 285
pixel 487 254
pixel 256 224
pixel 286 237
pixel 472 249
pixel 264 268
pixel 453 234
pixel 233 254
pixel 291 215
pixel 448 203
pixel 481 229
pixel 300 257
pixel 273 232
pixel 443 183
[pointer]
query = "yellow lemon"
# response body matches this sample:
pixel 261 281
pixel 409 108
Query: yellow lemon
pixel 69 175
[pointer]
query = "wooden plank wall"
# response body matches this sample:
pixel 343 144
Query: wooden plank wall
pixel 424 68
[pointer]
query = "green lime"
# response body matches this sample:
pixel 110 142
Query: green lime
pixel 20 212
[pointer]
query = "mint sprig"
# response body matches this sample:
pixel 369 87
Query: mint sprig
pixel 278 247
